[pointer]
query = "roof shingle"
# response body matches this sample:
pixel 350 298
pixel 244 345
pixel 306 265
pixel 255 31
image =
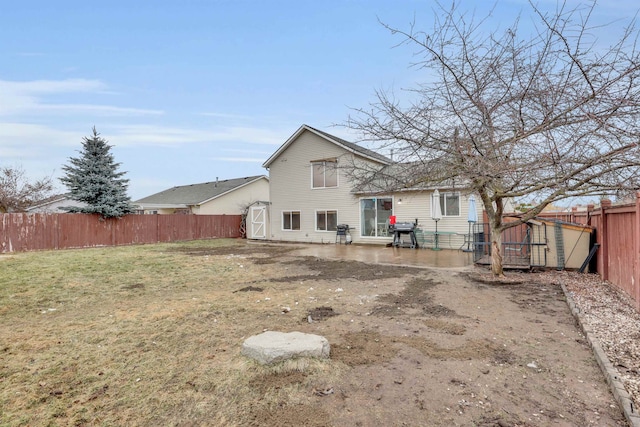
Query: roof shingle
pixel 195 194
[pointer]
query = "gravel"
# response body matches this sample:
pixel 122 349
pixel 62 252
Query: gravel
pixel 611 315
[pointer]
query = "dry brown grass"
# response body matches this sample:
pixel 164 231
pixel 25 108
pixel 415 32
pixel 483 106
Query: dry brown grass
pixel 139 335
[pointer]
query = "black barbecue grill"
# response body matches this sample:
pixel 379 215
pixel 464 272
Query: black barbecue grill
pixel 408 228
pixel 343 234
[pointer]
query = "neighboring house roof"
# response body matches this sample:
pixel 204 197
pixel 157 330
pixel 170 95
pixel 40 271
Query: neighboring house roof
pixel 54 204
pixel 349 146
pixel 195 194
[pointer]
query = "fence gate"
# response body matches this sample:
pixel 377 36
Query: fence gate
pixel 258 219
pixel 523 246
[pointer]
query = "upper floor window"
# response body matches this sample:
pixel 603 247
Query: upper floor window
pixel 325 174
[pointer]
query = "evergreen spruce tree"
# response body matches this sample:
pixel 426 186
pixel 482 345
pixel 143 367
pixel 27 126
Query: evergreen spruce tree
pixel 93 179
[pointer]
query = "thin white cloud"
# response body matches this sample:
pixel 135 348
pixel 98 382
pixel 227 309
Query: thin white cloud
pixel 149 135
pixel 252 135
pixel 31 138
pixel 240 159
pixel 98 109
pixel 41 87
pixel 246 151
pixel 227 116
pixel 43 96
pixel 137 135
pixel 30 54
pixel 40 150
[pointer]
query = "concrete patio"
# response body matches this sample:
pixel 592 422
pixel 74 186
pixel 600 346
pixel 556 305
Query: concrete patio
pixel 380 254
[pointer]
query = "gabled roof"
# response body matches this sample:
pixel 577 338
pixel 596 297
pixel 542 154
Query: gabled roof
pixel 54 203
pixel 196 194
pixel 349 146
pixel 49 201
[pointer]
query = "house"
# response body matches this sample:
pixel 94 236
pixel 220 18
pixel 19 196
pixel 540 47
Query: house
pixel 311 192
pixel 54 204
pixel 219 197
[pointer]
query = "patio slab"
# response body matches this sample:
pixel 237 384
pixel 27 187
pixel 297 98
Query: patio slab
pixel 380 254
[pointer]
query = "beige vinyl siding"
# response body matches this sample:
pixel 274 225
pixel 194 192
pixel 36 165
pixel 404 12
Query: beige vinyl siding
pixel 417 205
pixel 233 202
pixel 290 178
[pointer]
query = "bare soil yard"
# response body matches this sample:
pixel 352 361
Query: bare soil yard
pixel 151 335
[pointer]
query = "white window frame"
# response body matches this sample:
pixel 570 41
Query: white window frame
pixel 444 196
pixel 379 228
pixel 324 164
pixel 291 214
pixel 326 213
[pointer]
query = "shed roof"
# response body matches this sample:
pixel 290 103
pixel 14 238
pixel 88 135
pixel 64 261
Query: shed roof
pixel 197 194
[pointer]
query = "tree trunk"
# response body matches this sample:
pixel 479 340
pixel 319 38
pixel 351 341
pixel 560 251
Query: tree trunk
pixel 496 252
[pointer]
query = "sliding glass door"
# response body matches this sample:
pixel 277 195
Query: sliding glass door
pixel 374 216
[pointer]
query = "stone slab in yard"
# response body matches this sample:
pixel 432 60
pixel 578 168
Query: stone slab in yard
pixel 271 346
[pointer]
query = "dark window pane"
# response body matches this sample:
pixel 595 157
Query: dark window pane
pixel 332 220
pixel 295 220
pixel 286 220
pixel 331 175
pixel 321 224
pixel 318 175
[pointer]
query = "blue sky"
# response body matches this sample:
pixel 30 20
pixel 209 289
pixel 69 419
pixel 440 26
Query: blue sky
pixel 193 90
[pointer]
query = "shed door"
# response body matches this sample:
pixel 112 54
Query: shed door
pixel 258 216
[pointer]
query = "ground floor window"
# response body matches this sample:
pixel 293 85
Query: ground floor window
pixel 291 220
pixel 326 220
pixel 450 204
pixel 374 216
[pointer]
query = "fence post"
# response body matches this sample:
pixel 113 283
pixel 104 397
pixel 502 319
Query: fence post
pixel 590 208
pixel 604 247
pixel 636 251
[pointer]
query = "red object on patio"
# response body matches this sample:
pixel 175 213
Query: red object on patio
pixel 392 219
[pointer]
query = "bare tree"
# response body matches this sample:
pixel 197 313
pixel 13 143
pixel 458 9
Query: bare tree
pixel 551 116
pixel 17 192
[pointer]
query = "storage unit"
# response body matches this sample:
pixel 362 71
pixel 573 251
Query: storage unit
pixel 538 243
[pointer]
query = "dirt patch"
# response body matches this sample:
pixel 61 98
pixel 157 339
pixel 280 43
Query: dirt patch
pixel 324 269
pixel 442 349
pixel 276 380
pixel 364 348
pixel 415 297
pixel 249 289
pixel 291 415
pixel 473 349
pixel 133 286
pixel 320 313
pixel 445 327
pixel 531 295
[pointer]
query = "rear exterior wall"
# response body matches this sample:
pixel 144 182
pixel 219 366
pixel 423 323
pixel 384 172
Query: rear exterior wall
pixel 291 190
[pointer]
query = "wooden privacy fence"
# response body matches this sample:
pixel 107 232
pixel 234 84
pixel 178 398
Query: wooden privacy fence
pixel 28 232
pixel 618 236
